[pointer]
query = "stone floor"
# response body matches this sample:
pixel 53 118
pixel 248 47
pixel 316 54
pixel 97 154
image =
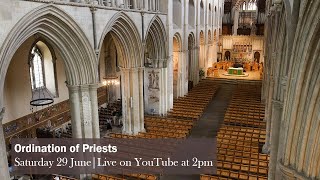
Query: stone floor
pixel 209 123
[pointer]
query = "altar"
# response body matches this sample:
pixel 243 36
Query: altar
pixel 235 71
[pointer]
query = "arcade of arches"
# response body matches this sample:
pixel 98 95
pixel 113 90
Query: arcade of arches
pixel 245 72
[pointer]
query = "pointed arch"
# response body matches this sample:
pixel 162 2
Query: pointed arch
pixel 62 32
pixel 127 40
pixel 192 70
pixel 155 40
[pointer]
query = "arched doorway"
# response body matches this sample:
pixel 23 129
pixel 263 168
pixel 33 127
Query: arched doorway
pixel 257 57
pixel 210 54
pixel 177 66
pixel 124 56
pixel 202 49
pixel 192 64
pixel 227 55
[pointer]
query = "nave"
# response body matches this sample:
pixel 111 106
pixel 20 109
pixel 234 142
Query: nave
pixel 231 112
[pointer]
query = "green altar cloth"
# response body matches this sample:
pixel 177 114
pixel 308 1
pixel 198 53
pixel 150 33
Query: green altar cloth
pixel 235 71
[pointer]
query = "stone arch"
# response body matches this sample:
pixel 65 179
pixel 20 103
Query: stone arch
pixel 62 33
pixel 177 66
pixel 202 50
pixel 302 109
pixel 193 65
pixel 125 36
pixel 59 30
pixel 155 52
pixel 127 40
pixel 155 41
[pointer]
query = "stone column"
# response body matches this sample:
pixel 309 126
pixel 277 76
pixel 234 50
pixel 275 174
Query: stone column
pixel 4 170
pixel 196 61
pixel 141 80
pixel 94 106
pixel 268 116
pixel 126 101
pixel 74 100
pixel 86 112
pixel 277 107
pixel 236 21
pixel 135 98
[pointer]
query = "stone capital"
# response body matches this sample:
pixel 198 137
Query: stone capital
pixel 73 89
pixel 93 87
pixel 84 87
pixel 123 69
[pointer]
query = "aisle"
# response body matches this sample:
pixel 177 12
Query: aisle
pixel 212 118
pixel 209 123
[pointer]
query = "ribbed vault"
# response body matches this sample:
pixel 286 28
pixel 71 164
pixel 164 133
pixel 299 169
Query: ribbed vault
pixel 156 45
pixel 127 40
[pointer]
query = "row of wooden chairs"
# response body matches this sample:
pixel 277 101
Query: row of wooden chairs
pixel 243 129
pixel 243 160
pixel 193 104
pixel 105 177
pixel 242 166
pixel 236 153
pixel 240 138
pixel 169 120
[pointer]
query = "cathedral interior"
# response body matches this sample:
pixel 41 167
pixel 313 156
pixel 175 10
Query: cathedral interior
pixel 245 73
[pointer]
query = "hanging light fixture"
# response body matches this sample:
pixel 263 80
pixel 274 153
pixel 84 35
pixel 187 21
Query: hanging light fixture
pixel 110 81
pixel 41 96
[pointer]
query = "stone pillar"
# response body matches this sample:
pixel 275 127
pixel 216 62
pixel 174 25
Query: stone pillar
pixel 131 92
pixel 268 116
pixel 94 106
pixel 275 134
pixel 135 98
pixel 196 61
pixel 4 170
pixel 86 112
pixel 235 22
pixel 141 80
pixel 126 101
pixel 74 100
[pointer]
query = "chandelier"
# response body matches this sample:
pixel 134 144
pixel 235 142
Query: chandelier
pixel 110 81
pixel 41 97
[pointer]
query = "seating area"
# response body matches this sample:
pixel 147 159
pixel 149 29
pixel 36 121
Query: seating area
pixel 193 104
pixel 110 114
pixel 241 138
pixel 60 177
